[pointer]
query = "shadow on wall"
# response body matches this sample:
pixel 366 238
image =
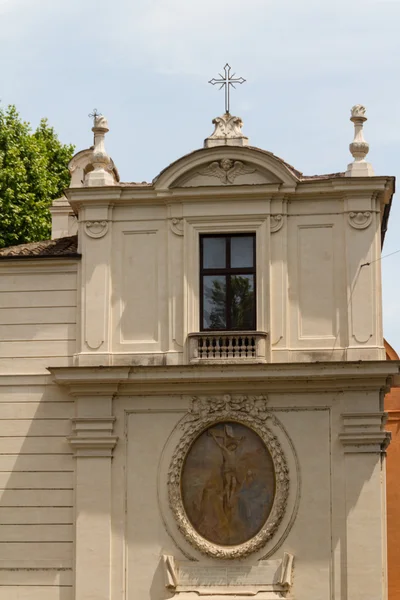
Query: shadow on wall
pixel 36 502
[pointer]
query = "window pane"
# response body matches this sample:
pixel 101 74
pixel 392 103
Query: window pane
pixel 214 302
pixel 214 253
pixel 242 306
pixel 242 252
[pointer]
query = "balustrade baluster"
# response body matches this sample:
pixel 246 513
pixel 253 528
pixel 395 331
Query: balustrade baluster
pixel 226 346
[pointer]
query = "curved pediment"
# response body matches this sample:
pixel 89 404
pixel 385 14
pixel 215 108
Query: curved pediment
pixel 81 164
pixel 226 166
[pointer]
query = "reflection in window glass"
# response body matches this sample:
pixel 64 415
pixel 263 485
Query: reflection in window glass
pixel 242 251
pixel 214 302
pixel 242 302
pixel 214 253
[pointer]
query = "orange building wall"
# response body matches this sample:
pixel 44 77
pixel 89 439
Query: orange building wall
pixel 392 407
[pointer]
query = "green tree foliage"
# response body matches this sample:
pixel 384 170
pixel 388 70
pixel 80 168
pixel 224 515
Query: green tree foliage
pixel 33 172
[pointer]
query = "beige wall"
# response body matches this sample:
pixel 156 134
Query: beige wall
pixel 37 327
pixel 99 521
pixel 318 270
pixel 329 422
pixel 36 489
pixel 38 315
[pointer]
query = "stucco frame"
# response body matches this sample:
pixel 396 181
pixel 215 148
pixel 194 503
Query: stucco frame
pixel 250 411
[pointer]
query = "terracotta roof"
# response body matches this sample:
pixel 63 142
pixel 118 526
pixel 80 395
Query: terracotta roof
pixel 61 247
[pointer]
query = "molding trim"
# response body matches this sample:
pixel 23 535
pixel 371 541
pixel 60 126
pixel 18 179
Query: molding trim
pixel 192 379
pixel 92 437
pixel 363 433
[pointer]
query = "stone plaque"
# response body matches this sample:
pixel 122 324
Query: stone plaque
pixel 228 483
pixel 274 577
pixel 191 575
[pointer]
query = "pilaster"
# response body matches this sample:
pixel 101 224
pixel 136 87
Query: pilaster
pixel 364 443
pixel 365 341
pixel 95 247
pixel 92 442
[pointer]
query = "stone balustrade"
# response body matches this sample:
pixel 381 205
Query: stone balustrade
pixel 222 346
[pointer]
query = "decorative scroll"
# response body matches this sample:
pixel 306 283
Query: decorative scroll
pixel 276 222
pixel 177 226
pixel 250 412
pixel 360 220
pixel 96 229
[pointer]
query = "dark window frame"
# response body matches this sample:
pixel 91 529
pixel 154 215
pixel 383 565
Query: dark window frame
pixel 228 271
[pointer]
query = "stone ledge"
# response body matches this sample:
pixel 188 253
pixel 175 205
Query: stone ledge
pixel 191 379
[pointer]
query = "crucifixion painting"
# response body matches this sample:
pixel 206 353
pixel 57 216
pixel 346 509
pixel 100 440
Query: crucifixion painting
pixel 228 444
pixel 228 483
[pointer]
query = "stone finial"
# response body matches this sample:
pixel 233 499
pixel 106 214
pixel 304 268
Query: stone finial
pixel 359 148
pixel 101 162
pixel 227 132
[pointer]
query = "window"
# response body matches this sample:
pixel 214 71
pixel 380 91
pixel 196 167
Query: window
pixel 227 282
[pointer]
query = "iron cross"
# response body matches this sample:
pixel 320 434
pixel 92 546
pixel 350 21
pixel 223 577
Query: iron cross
pixel 94 114
pixel 226 81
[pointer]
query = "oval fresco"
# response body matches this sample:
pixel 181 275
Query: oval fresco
pixel 228 484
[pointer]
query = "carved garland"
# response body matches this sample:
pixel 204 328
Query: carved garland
pixel 247 410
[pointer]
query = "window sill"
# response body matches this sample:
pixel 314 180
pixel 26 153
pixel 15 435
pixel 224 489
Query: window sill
pixel 228 347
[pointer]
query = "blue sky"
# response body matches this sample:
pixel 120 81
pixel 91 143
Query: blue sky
pixel 145 65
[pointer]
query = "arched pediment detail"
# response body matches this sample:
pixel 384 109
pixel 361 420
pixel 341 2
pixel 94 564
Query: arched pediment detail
pixel 225 166
pixel 81 164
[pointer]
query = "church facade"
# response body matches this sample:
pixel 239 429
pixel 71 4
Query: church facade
pixel 193 384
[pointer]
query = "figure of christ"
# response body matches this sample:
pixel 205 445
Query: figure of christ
pixel 228 445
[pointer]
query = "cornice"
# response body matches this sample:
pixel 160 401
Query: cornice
pixel 295 377
pixel 313 188
pixel 40 265
pixel 45 263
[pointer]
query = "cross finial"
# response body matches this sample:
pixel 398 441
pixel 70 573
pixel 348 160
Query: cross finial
pixel 94 114
pixel 226 81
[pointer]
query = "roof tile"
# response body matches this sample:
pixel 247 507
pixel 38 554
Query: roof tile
pixel 65 246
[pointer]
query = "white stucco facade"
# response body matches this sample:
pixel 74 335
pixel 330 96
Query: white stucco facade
pixel 101 371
